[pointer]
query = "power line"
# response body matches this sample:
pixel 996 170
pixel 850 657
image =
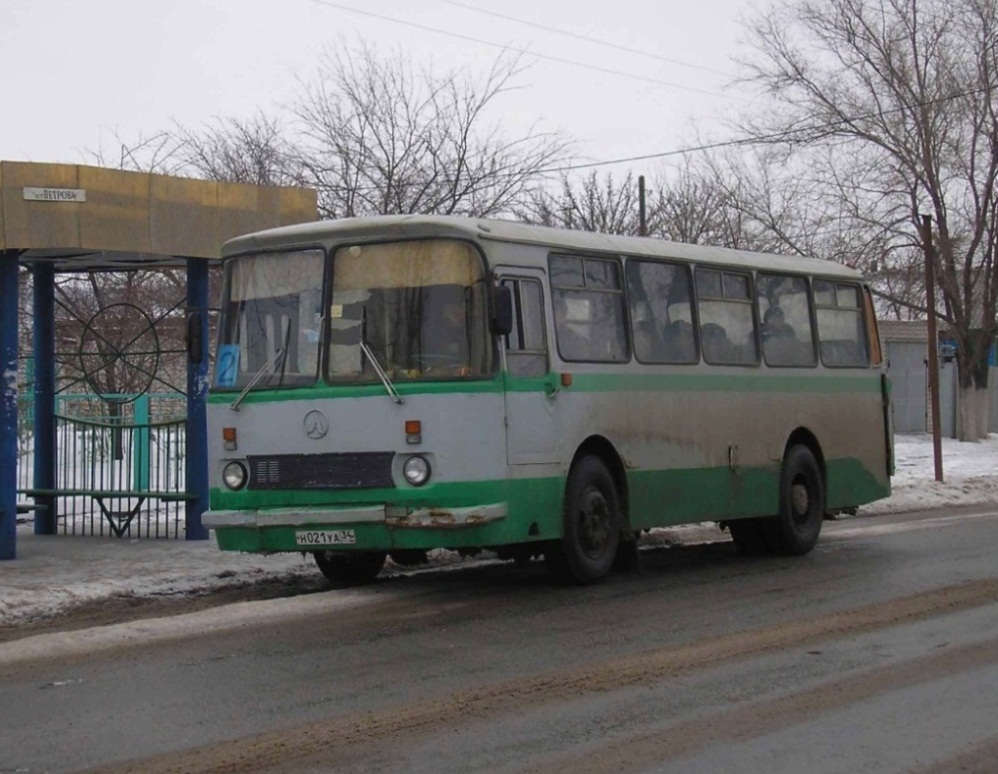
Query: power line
pixel 785 134
pixel 588 39
pixel 529 52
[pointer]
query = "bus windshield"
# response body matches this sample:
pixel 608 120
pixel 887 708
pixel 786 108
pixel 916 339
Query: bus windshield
pixel 417 308
pixel 270 322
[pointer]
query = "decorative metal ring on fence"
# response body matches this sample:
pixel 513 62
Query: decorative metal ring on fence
pixel 119 350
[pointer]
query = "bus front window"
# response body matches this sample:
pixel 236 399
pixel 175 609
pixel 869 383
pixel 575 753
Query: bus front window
pixel 271 320
pixel 418 306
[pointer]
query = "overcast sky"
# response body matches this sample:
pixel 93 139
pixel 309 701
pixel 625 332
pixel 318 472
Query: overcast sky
pixel 77 75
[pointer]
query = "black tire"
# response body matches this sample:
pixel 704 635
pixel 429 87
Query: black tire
pixel 795 529
pixel 591 522
pixel 350 568
pixel 749 536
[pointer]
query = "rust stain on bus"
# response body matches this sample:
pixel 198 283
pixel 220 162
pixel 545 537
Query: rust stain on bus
pixel 438 517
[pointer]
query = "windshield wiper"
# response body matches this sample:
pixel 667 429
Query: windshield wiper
pixel 380 371
pixel 284 359
pixel 279 355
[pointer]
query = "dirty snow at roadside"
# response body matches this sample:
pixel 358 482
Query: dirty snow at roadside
pixel 54 573
pixel 970 475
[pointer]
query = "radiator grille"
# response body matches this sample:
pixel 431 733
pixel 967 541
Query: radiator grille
pixel 360 470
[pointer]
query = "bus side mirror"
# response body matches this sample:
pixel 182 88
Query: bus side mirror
pixel 195 339
pixel 502 310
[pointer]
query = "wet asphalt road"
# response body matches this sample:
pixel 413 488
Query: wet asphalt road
pixel 877 652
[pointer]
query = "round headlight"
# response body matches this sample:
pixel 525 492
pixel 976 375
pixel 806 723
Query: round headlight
pixel 234 475
pixel 416 470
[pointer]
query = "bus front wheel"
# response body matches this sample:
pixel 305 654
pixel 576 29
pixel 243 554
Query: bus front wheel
pixel 586 552
pixel 350 568
pixel 794 530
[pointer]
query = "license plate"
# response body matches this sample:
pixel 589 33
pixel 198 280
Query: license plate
pixel 325 537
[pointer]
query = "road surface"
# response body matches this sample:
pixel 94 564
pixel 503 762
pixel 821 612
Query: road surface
pixel 878 652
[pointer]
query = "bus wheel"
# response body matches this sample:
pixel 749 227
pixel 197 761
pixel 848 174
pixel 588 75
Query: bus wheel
pixel 794 530
pixel 591 525
pixel 749 536
pixel 350 568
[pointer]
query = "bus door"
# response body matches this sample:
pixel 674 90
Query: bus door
pixel 531 389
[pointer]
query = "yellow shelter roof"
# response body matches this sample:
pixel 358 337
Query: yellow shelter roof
pixel 84 218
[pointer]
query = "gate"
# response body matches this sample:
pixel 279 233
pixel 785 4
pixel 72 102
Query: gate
pixel 119 472
pixel 120 466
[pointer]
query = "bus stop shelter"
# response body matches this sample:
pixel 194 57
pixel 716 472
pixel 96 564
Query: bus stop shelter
pixel 59 218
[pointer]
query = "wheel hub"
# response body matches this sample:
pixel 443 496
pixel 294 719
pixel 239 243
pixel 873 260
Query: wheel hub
pixel 595 522
pixel 800 500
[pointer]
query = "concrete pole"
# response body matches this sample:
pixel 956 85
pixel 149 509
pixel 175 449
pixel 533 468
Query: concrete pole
pixel 197 396
pixel 44 392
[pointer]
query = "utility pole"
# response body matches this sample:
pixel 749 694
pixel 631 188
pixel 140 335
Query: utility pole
pixel 642 222
pixel 930 297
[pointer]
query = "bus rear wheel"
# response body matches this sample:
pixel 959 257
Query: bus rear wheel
pixel 591 524
pixel 350 568
pixel 794 530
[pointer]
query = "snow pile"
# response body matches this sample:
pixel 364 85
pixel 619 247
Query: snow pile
pixel 54 573
pixel 968 475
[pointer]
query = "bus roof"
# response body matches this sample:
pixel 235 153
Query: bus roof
pixel 480 229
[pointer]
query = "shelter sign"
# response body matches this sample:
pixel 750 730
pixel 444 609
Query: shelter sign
pixel 55 194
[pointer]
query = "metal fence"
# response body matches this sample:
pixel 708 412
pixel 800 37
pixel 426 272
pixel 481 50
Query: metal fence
pixel 113 443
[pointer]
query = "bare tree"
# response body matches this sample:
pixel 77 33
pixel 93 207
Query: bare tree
pixel 691 205
pixel 155 153
pixel 901 95
pixel 255 150
pixel 121 332
pixel 588 204
pixel 380 138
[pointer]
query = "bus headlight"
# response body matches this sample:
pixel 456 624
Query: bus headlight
pixel 416 470
pixel 234 475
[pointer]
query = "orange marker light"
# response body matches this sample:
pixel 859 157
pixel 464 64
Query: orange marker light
pixel 413 431
pixel 566 380
pixel 229 437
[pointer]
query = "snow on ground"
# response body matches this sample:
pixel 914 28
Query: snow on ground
pixel 53 573
pixel 970 475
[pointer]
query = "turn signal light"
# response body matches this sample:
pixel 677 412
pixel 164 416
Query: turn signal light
pixel 229 438
pixel 413 431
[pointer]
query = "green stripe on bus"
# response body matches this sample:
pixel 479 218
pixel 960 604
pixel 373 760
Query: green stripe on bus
pixel 322 391
pixel 755 381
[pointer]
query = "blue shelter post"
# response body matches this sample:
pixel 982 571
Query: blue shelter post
pixel 44 366
pixel 8 403
pixel 197 394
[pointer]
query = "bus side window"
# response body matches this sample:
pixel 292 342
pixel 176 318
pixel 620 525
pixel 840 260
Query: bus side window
pixel 526 348
pixel 660 302
pixel 588 303
pixel 785 310
pixel 876 354
pixel 727 322
pixel 842 334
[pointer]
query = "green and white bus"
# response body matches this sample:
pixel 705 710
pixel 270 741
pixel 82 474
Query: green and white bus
pixel 389 385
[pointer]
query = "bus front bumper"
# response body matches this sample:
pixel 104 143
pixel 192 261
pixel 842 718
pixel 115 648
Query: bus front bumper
pixel 392 516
